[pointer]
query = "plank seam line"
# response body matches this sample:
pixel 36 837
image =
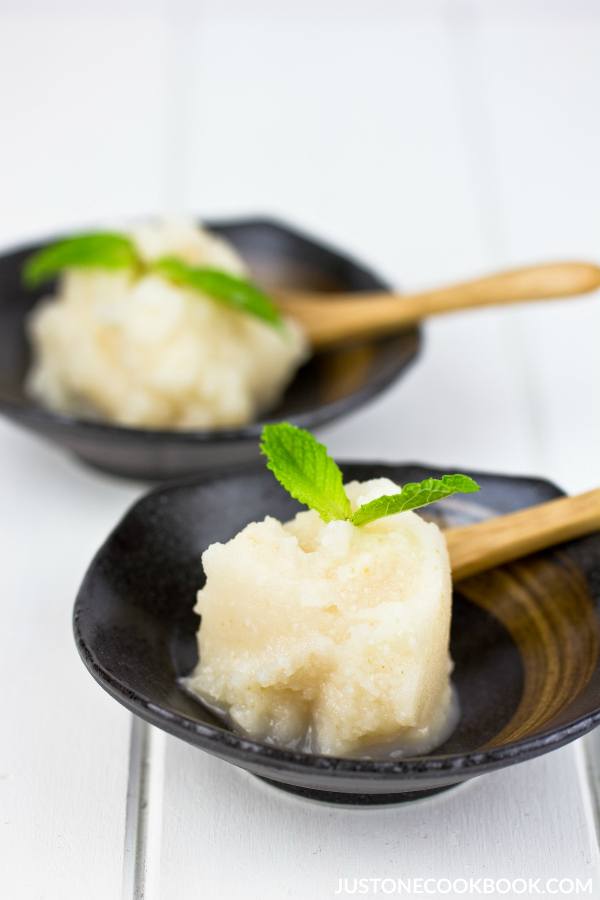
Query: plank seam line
pixel 589 775
pixel 143 814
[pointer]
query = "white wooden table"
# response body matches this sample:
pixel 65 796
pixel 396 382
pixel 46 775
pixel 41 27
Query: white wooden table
pixel 438 140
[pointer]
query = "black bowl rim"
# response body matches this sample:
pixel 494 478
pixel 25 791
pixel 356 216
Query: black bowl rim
pixel 248 751
pixel 37 416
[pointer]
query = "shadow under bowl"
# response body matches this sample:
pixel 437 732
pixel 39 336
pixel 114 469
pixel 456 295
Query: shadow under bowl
pixel 331 384
pixel 525 637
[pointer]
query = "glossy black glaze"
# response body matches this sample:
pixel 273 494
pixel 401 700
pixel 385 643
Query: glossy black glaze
pixel 330 385
pixel 135 631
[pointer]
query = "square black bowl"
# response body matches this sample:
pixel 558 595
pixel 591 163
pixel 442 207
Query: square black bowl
pixel 331 384
pixel 525 637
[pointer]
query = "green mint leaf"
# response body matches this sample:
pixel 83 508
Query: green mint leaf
pixel 413 496
pixel 101 250
pixel 304 468
pixel 237 293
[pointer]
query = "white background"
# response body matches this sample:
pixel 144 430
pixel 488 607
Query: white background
pixel 437 140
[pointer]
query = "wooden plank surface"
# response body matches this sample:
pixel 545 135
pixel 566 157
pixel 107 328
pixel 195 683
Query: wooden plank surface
pixel 84 101
pixel 64 748
pixel 413 197
pixel 437 141
pixel 82 105
pixel 219 822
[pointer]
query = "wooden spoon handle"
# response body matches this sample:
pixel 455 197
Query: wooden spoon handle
pixel 370 314
pixel 475 548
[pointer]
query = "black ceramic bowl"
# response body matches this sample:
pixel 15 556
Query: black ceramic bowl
pixel 332 383
pixel 525 637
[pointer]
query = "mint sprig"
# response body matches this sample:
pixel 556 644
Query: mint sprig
pixel 304 468
pixel 302 465
pixel 237 293
pixel 113 251
pixel 100 250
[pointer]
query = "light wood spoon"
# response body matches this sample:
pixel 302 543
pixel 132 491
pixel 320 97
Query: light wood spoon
pixel 475 548
pixel 327 321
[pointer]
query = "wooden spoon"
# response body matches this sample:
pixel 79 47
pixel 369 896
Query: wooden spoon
pixel 475 548
pixel 328 321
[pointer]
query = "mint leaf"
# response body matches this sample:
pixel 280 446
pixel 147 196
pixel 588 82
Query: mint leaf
pixel 237 293
pixel 302 465
pixel 413 496
pixel 101 250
